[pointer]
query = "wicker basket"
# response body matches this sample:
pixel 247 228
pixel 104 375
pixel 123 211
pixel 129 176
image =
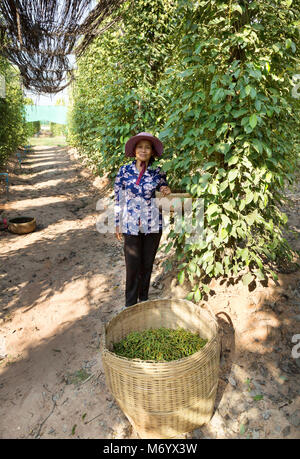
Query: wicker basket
pixel 178 200
pixel 163 399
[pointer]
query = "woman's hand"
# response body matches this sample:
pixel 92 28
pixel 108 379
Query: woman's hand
pixel 165 190
pixel 119 235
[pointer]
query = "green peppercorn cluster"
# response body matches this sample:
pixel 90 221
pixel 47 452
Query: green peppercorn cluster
pixel 159 344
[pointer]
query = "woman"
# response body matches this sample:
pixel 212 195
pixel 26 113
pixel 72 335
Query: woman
pixel 141 224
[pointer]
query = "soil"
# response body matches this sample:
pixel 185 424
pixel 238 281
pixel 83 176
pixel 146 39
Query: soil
pixel 59 285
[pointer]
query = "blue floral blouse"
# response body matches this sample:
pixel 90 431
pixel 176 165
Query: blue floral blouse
pixel 135 208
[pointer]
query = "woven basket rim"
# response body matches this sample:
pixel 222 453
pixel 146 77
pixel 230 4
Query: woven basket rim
pixel 179 195
pixel 202 351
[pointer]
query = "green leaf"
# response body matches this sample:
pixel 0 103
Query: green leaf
pixel 249 197
pixel 224 233
pixel 197 295
pixel 221 172
pixel 225 220
pixel 288 43
pixel 212 208
pixel 269 177
pixel 258 261
pixel 181 277
pixel 238 113
pixel 223 186
pixel 258 397
pixel 244 253
pixel 257 145
pixel 209 268
pixel 274 275
pixel 214 189
pixel 209 255
pixel 250 219
pixel 253 93
pixel 258 105
pixel 219 95
pixel 293 47
pixel 228 206
pixel 190 296
pixel 248 382
pixel 245 120
pixel 165 133
pixel 233 175
pixel 248 89
pixel 260 275
pixel 204 178
pixel 238 8
pixel 247 278
pixel 168 247
pixel 253 120
pixel 73 429
pixel 242 429
pixel 273 161
pixel 284 218
pixel 233 160
pixel 219 268
pixel 242 205
pixel 223 148
pixel 240 232
pixel 209 165
pixel 186 73
pixel 206 288
pixel 192 267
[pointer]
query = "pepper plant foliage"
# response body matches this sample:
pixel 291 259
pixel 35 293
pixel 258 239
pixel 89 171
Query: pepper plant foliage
pixel 116 91
pixel 232 131
pixel 214 79
pixel 13 128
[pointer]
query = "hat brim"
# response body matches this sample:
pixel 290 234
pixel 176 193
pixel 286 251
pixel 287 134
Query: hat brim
pixel 131 143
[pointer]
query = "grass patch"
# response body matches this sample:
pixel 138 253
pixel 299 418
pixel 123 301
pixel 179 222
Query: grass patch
pixel 58 141
pixel 77 377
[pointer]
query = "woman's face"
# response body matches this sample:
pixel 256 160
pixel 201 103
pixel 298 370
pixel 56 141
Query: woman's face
pixel 143 150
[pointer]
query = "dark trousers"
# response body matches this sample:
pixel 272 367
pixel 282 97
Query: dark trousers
pixel 139 251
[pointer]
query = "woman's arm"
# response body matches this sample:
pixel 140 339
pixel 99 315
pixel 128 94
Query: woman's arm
pixel 118 191
pixel 163 186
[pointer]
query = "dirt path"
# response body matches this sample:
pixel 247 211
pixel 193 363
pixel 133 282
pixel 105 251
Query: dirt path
pixel 60 283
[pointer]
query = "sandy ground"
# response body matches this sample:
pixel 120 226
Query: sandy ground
pixel 60 283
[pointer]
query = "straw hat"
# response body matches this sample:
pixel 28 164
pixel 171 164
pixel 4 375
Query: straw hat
pixel 131 143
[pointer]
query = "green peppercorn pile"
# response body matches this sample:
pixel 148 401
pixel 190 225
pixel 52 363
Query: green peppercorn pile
pixel 159 344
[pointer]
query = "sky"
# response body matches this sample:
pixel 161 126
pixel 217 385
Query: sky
pixel 47 99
